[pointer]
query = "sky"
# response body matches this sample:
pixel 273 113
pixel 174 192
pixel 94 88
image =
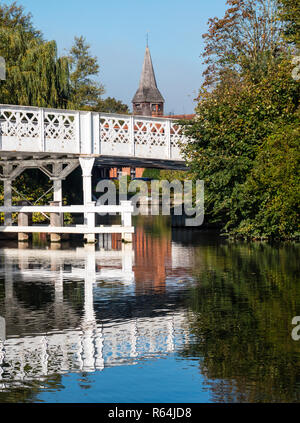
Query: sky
pixel 116 31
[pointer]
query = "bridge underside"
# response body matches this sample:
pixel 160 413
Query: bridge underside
pixel 100 160
pixel 58 166
pixel 134 162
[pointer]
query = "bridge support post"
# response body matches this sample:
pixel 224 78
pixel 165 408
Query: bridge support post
pixel 55 220
pixel 24 219
pixel 87 167
pixel 57 190
pixel 7 201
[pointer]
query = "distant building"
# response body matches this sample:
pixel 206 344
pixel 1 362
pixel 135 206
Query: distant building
pixel 148 100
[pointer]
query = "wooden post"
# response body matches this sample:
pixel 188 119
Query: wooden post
pixel 126 220
pixel 55 220
pixel 24 219
pixel 7 201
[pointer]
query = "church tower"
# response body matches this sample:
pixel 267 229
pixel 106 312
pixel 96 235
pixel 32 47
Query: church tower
pixel 148 101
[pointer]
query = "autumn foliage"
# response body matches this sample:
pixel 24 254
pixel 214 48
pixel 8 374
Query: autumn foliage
pixel 245 139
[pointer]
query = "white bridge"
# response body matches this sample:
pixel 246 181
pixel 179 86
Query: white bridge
pixel 35 130
pixel 58 141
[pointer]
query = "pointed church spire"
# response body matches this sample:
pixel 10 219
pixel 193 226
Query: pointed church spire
pixel 148 100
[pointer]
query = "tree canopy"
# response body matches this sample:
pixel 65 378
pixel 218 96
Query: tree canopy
pixel 85 91
pixel 247 103
pixel 289 13
pixel 35 75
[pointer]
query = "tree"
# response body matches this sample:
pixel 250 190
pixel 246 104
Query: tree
pixel 290 16
pixel 242 109
pixel 85 92
pixel 111 105
pixel 245 38
pixel 12 16
pixel 268 203
pixel 231 124
pixel 35 76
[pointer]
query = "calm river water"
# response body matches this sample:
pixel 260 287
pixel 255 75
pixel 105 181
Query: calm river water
pixel 179 316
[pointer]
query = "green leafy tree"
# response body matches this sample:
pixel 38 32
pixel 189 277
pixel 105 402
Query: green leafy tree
pixel 232 122
pixel 246 38
pixel 290 16
pixel 111 105
pixel 242 109
pixel 35 76
pixel 85 91
pixel 268 203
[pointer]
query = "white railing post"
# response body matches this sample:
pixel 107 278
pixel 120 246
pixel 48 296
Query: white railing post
pixel 168 139
pixel 96 133
pixel 42 131
pixel 91 216
pixel 131 136
pixel 91 223
pixel 77 131
pixel 86 133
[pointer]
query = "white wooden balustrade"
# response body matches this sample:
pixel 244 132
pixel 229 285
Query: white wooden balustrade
pixel 125 209
pixel 36 130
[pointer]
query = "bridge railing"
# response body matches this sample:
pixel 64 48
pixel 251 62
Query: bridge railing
pixel 31 129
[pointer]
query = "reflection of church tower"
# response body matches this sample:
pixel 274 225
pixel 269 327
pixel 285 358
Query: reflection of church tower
pixel 148 101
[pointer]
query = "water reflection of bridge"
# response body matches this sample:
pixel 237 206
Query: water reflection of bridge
pixel 90 347
pixel 101 334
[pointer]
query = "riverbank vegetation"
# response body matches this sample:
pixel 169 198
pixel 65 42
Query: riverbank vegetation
pixel 246 130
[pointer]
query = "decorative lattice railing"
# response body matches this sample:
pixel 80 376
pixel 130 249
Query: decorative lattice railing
pixel 31 129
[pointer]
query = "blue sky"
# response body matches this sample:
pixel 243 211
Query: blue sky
pixel 116 31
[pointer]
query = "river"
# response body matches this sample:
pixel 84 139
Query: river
pixel 178 316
